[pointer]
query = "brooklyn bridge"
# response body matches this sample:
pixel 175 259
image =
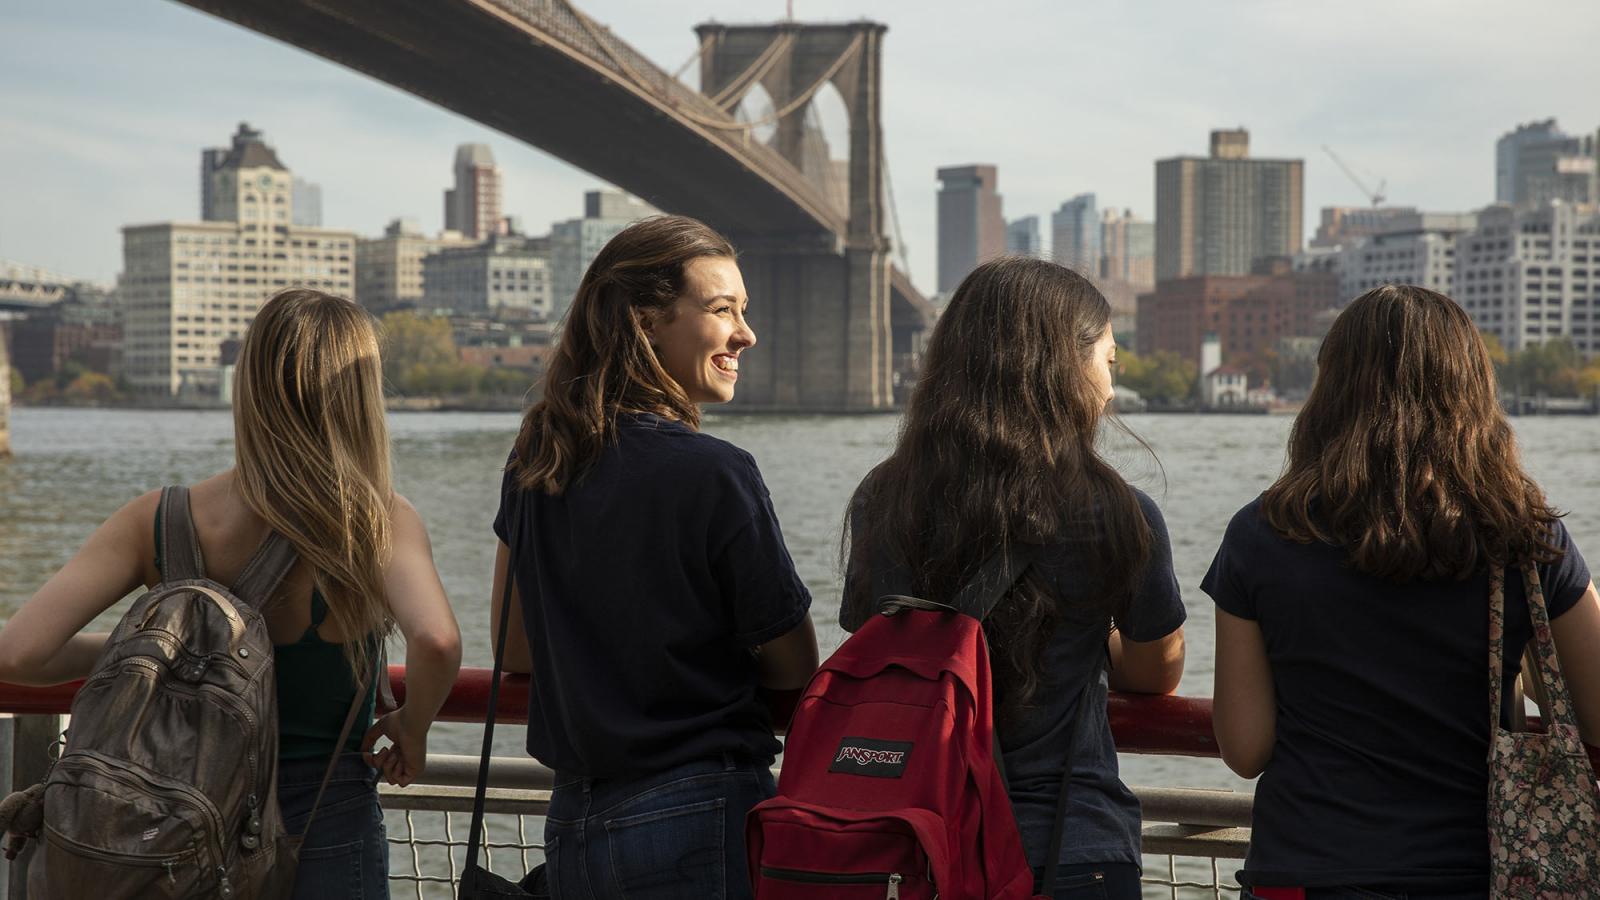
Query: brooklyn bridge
pixel 836 315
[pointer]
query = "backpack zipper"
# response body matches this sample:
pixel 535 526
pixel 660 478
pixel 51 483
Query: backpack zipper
pixel 891 879
pixel 126 772
pixel 231 701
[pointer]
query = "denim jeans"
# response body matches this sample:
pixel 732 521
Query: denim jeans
pixel 1094 881
pixel 346 853
pixel 675 835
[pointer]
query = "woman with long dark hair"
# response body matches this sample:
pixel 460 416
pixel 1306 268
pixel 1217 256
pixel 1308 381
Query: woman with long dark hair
pixel 1353 612
pixel 998 450
pixel 653 593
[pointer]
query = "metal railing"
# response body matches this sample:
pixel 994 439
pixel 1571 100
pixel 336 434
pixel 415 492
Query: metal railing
pixel 1189 838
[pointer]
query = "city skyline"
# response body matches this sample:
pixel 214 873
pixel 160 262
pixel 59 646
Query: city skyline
pixel 96 156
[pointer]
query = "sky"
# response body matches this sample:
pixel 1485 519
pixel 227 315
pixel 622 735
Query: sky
pixel 106 104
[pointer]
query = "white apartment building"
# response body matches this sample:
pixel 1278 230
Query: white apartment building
pixel 575 242
pixel 389 268
pixel 504 274
pixel 189 286
pixel 1412 248
pixel 1529 277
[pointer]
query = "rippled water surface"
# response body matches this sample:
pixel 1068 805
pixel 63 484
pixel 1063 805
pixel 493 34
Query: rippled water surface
pixel 74 467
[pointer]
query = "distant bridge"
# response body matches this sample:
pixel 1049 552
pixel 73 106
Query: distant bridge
pixel 832 310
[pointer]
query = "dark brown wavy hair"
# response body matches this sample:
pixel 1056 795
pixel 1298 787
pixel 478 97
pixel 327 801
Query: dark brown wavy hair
pixel 603 364
pixel 998 448
pixel 1402 454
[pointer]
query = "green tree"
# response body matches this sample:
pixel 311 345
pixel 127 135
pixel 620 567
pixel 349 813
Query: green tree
pixel 505 381
pixel 17 384
pixel 90 388
pixel 411 341
pixel 1162 377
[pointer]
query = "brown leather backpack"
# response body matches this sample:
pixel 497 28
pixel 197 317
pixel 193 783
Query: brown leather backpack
pixel 167 784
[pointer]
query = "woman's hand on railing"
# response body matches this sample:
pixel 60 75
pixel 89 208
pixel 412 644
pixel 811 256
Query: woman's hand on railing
pixel 405 757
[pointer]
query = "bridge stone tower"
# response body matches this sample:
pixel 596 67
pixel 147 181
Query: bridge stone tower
pixel 820 310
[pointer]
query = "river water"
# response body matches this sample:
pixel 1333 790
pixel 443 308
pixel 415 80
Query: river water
pixel 74 467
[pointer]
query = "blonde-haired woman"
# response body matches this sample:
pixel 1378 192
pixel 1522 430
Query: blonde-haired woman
pixel 312 464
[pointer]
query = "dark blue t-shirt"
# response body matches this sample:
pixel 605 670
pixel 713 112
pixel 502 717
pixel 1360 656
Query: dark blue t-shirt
pixel 1379 773
pixel 1103 815
pixel 645 588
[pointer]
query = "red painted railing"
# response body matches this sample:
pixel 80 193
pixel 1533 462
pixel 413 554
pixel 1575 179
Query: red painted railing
pixel 1175 726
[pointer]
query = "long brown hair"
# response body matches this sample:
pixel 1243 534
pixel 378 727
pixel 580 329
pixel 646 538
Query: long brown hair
pixel 1402 454
pixel 998 448
pixel 603 364
pixel 312 451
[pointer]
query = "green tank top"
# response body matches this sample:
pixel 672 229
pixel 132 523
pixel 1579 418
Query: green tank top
pixel 315 687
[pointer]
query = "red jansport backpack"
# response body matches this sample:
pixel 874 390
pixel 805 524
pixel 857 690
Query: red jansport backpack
pixel 890 785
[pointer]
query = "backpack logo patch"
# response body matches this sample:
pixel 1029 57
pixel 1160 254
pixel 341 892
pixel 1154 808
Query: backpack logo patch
pixel 866 756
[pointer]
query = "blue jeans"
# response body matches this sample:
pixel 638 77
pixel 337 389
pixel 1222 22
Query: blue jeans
pixel 675 835
pixel 346 854
pixel 1094 881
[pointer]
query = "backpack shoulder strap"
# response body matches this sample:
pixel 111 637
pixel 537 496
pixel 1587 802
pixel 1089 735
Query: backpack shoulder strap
pixel 265 570
pixel 995 578
pixel 180 548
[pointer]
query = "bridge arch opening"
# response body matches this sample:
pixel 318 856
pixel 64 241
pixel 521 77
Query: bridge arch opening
pixel 756 106
pixel 827 164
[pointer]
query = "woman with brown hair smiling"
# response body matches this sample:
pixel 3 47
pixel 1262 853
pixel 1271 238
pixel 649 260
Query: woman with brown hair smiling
pixel 653 593
pixel 1353 610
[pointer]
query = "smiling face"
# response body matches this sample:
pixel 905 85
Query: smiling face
pixel 699 341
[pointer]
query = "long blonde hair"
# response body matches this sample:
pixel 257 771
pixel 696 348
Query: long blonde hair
pixel 312 451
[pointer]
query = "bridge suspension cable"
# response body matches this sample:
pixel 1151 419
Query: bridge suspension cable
pixel 758 69
pixel 725 124
pixel 897 236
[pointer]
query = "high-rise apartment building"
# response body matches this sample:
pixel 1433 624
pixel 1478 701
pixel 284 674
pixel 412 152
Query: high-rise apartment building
pixel 575 242
pixel 1218 215
pixel 472 207
pixel 307 203
pixel 389 268
pixel 1128 249
pixel 972 227
pixel 1415 248
pixel 506 275
pixel 1538 162
pixel 1075 235
pixel 189 286
pixel 1528 276
pixel 1022 236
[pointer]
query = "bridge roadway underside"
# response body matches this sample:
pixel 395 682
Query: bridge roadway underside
pixel 471 57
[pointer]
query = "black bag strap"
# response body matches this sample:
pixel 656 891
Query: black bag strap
pixel 1058 829
pixel 480 792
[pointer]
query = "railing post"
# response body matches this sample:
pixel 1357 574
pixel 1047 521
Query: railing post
pixel 24 754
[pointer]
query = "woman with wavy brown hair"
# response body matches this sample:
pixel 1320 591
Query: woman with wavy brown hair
pixel 312 464
pixel 652 591
pixel 999 450
pixel 1353 613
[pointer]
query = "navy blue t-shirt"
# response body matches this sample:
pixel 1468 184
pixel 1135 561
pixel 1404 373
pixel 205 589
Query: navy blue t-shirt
pixel 1103 814
pixel 1379 773
pixel 645 588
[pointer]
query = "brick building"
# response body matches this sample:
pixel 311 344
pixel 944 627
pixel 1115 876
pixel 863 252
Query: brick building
pixel 1249 313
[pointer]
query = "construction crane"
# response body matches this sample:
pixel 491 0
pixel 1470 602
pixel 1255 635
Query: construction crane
pixel 1376 196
